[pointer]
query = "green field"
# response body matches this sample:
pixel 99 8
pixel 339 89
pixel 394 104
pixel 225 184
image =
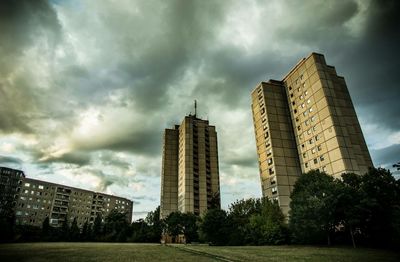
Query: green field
pixel 153 252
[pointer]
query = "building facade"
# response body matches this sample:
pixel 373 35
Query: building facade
pixel 34 200
pixel 10 180
pixel 190 173
pixel 306 121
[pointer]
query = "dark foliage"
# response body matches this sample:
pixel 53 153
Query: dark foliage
pixel 364 208
pixel 215 227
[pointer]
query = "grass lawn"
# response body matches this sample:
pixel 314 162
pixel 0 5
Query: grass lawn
pixel 298 253
pixel 153 252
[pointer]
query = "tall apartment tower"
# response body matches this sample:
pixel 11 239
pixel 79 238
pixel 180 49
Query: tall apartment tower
pixel 190 174
pixel 306 121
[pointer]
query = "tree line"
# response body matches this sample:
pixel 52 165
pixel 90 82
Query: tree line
pixel 112 228
pixel 355 210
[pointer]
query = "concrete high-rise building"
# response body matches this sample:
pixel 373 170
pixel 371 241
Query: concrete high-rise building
pixel 10 179
pixel 190 173
pixel 34 200
pixel 306 121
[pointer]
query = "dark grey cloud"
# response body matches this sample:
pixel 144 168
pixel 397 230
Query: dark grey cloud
pixel 9 159
pixel 21 24
pixel 109 159
pixel 239 160
pixel 371 65
pixel 143 197
pixel 75 157
pixel 386 157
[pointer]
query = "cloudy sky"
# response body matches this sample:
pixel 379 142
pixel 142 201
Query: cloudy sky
pixel 87 87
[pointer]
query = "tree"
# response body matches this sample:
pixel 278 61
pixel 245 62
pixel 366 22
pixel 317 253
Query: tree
pixel 215 227
pixel 116 226
pixel 239 217
pixel 85 234
pixel 267 226
pixel 64 231
pixel 46 233
pixel 155 225
pixel 7 220
pixel 140 231
pixel 215 202
pixel 313 207
pixel 74 231
pixel 381 202
pixel 189 227
pixel 97 226
pixel 349 211
pixel 173 224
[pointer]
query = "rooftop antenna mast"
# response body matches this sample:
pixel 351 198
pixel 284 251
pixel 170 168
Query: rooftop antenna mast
pixel 195 108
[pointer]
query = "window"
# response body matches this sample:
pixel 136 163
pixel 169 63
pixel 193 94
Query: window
pixel 314 128
pixel 311 109
pixel 297 119
pixel 271 171
pixel 265 127
pixel 295 111
pixel 306 164
pixel 306 122
pixel 319 148
pixel 301 97
pixel 291 94
pixel 299 128
pixel 304 155
pixel 290 88
pixel 269 161
pixel 322 158
pixel 27 185
pixel 324 168
pixel 313 119
pixel 313 150
pixel 316 137
pixel 274 190
pixel 262 111
pixel 308 101
pixel 310 141
pixel 298 89
pixel 315 161
pixel 266 135
pixel 264 119
pixel 303 105
pixel 309 131
pixel 293 103
pixel 305 113
pixel 306 93
pixel 269 152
